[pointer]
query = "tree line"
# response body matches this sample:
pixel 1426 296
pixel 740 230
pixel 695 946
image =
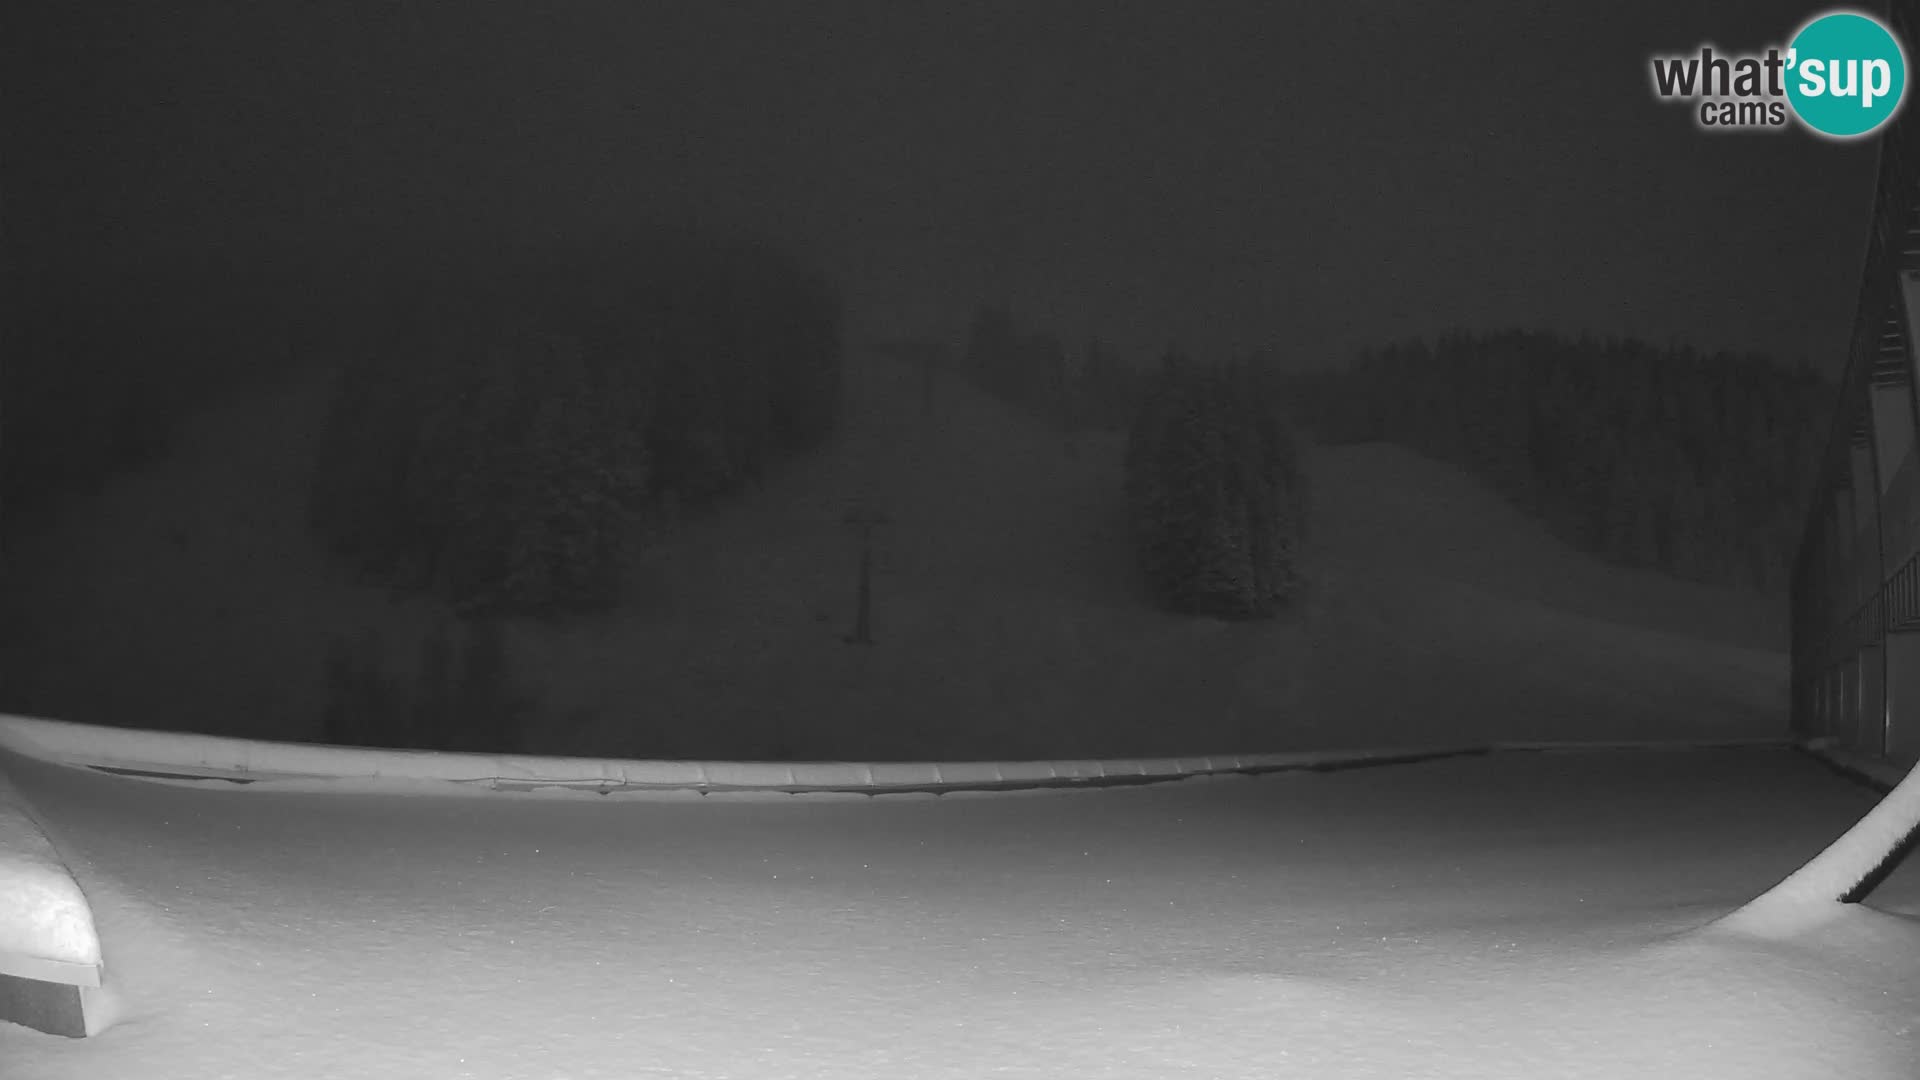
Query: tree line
pixel 508 431
pixel 1091 387
pixel 460 696
pixel 1214 488
pixel 1695 464
pixel 1215 492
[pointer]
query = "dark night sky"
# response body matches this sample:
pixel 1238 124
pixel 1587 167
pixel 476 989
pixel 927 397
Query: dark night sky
pixel 1233 175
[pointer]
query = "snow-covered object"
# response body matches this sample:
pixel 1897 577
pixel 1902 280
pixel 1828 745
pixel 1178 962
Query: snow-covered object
pixel 210 756
pixel 1489 917
pixel 158 753
pixel 1814 893
pixel 46 927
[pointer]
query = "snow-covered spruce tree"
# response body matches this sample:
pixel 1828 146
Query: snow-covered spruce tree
pixel 1275 489
pixel 472 456
pixel 548 509
pixel 1214 495
pixel 494 470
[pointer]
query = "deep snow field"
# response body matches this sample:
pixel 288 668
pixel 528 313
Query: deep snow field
pixel 1504 916
pixel 1516 915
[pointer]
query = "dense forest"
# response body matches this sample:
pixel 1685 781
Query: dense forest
pixel 504 434
pixel 498 426
pixel 1215 493
pixel 1692 463
pixel 719 351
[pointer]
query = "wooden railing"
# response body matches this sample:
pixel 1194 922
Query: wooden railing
pixel 1867 572
pixel 1900 510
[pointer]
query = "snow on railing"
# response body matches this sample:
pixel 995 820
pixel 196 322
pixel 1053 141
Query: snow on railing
pixel 1844 873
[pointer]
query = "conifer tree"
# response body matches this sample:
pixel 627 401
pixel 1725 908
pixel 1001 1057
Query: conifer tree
pixel 1214 494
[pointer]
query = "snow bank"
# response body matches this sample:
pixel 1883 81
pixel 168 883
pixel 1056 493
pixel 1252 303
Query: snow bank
pixel 46 928
pixel 168 754
pixel 1495 917
pixel 1846 871
pixel 201 757
pixel 49 950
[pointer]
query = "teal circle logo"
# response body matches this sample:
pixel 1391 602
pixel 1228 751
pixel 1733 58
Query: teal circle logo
pixel 1846 75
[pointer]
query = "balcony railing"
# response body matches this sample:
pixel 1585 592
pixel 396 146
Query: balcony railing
pixel 1845 600
pixel 1900 509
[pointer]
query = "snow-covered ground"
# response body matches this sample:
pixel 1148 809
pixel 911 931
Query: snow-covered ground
pixel 1516 915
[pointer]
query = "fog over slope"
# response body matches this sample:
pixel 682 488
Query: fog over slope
pixel 1008 622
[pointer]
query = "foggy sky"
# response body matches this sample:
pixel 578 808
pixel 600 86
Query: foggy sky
pixel 1229 175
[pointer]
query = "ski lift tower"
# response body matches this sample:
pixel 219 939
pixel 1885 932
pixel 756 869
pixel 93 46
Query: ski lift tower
pixel 863 517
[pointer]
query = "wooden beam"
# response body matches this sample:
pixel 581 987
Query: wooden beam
pixel 53 1007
